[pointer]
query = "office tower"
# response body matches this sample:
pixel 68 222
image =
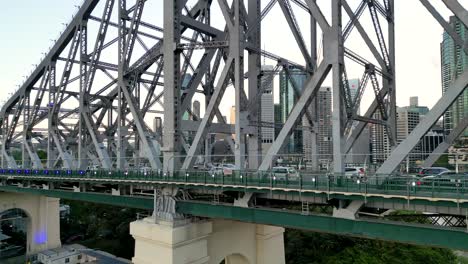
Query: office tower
pixel 453 62
pixel 196 108
pixel 354 88
pixel 186 80
pixel 278 119
pixel 380 147
pixel 157 125
pixel 415 107
pixel 232 115
pixel 407 120
pixel 431 140
pixel 360 152
pixel 323 128
pixel 267 109
pixel 298 78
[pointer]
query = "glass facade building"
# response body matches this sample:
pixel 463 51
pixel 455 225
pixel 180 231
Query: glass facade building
pixel 453 62
pixel 287 100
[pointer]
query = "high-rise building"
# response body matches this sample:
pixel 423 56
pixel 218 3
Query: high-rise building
pixel 232 115
pixel 267 110
pixel 323 110
pixel 321 107
pixel 359 153
pixel 294 144
pixel 408 117
pixel 431 140
pixel 380 147
pixel 196 108
pixel 415 107
pixel 453 62
pixel 185 81
pixel 354 88
pixel 407 120
pixel 278 119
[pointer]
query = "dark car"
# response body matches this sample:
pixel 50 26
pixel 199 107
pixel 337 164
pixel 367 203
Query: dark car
pixel 432 171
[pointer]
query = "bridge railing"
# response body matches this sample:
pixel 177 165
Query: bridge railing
pixel 455 186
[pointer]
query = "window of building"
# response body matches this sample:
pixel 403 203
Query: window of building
pixel 67 260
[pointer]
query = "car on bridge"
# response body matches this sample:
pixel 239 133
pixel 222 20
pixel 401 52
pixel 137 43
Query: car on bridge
pixel 432 171
pixel 285 173
pixel 225 169
pixel 354 172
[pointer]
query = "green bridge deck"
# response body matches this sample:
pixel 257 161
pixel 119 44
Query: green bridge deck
pixel 454 238
pixel 439 192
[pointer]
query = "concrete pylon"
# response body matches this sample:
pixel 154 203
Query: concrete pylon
pixel 206 242
pixel 43 223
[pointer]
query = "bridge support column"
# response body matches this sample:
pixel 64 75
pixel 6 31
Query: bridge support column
pixel 206 242
pixel 170 242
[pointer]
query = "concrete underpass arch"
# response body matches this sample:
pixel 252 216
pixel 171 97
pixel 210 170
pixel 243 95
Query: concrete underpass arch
pixel 43 219
pixel 28 223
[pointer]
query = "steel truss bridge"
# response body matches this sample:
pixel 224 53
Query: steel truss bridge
pixel 306 202
pixel 92 101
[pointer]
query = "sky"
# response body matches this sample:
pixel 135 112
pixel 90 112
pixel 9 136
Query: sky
pixel 29 27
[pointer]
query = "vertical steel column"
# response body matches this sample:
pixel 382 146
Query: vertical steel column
pixel 137 142
pixel 172 33
pixel 209 87
pixel 255 139
pixel 84 97
pixel 237 51
pixel 313 106
pixel 26 115
pixel 51 151
pixel 390 82
pixel 337 60
pixel 122 14
pixel 3 131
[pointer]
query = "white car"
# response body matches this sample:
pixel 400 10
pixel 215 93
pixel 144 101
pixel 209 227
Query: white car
pixel 283 173
pixel 228 169
pixel 223 169
pixel 354 172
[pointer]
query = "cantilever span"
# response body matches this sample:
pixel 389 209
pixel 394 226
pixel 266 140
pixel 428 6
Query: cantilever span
pixel 124 108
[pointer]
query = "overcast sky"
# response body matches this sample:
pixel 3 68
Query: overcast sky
pixel 28 28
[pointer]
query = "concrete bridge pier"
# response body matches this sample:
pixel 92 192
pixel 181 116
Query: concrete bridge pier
pixel 43 219
pixel 206 242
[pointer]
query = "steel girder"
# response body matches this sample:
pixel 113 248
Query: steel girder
pixel 448 98
pixel 448 141
pixel 88 128
pixel 114 116
pixel 405 147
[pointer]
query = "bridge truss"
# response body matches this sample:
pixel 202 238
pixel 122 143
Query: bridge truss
pixel 114 71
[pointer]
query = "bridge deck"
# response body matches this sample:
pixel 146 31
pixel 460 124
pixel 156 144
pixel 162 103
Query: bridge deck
pixel 409 188
pixel 455 238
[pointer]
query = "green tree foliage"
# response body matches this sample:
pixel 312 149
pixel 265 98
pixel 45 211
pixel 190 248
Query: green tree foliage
pixel 42 154
pixel 17 155
pixel 104 227
pixel 303 247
